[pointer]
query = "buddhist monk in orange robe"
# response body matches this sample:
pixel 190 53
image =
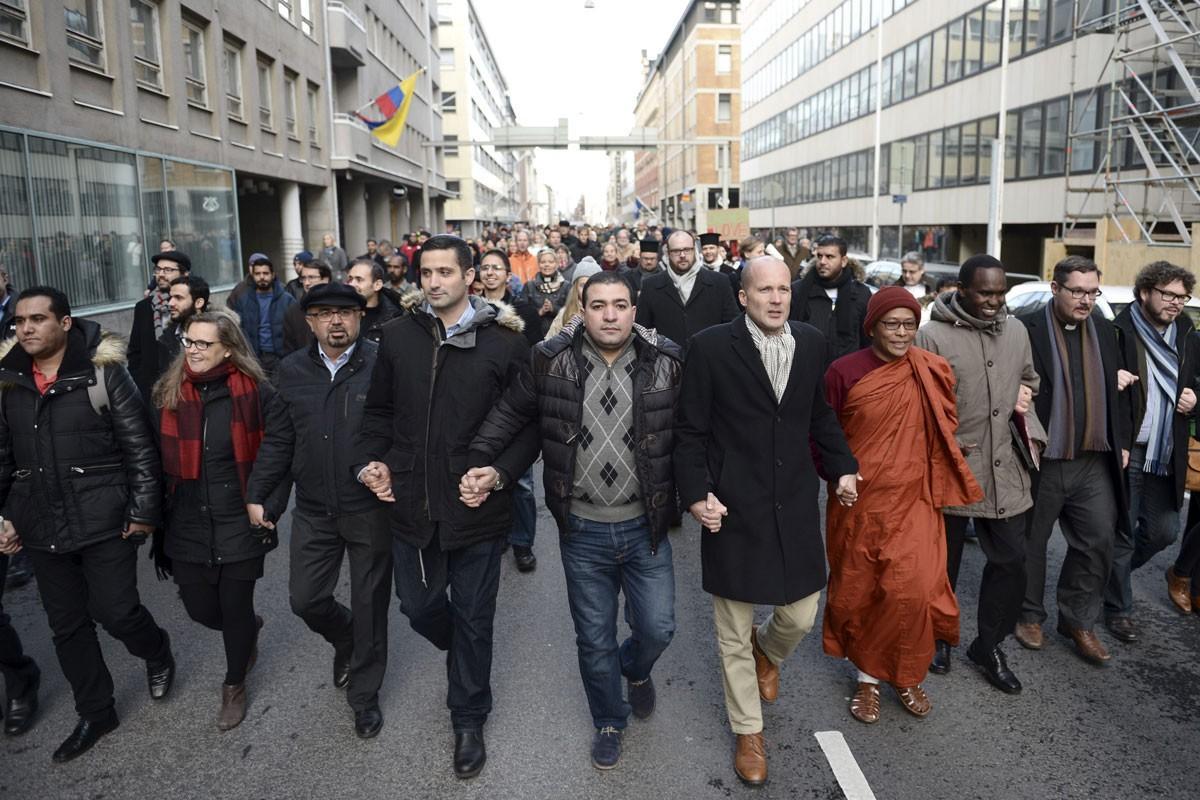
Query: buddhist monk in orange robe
pixel 889 596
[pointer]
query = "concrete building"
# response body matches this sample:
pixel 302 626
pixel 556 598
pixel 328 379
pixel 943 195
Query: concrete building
pixel 384 192
pixel 474 101
pixel 692 92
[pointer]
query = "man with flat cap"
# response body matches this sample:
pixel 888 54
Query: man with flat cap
pixel 648 264
pixel 151 317
pixel 323 387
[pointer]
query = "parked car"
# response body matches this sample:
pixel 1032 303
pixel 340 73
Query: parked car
pixel 1034 295
pixel 887 272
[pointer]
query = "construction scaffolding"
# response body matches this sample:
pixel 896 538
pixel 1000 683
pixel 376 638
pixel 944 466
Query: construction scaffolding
pixel 1133 153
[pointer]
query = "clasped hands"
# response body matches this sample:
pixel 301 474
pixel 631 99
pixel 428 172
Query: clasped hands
pixel 710 511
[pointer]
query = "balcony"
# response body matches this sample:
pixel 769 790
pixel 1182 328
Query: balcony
pixel 351 139
pixel 347 37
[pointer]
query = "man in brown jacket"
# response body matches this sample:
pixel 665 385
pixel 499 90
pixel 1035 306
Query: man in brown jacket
pixel 993 362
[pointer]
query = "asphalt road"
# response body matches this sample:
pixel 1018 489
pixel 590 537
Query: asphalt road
pixel 1126 732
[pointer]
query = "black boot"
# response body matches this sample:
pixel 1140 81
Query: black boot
pixel 526 560
pixel 995 667
pixel 22 708
pixel 469 753
pixel 161 674
pixel 86 734
pixel 341 667
pixel 941 658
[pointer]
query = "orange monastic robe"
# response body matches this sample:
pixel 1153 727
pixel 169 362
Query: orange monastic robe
pixel 889 596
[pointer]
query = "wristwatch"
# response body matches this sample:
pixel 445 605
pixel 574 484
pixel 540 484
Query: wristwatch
pixel 499 481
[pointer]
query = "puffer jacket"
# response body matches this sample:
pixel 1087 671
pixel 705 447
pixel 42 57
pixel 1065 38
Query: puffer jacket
pixel 990 360
pixel 70 477
pixel 246 306
pixel 553 394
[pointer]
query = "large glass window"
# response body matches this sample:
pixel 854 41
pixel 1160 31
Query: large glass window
pixel 1012 134
pixel 950 144
pixel 987 135
pixel 1062 19
pixel 924 57
pixel 1037 18
pixel 897 76
pixel 938 59
pixel 910 70
pixel 202 205
pixel 194 71
pixel 16 223
pixel 13 21
pixel 232 62
pixel 289 105
pixel 265 104
pixel 1084 148
pixel 1016 28
pixel 993 31
pixel 920 163
pixel 954 60
pixel 1054 158
pixel 968 144
pixel 935 159
pixel 147 55
pixel 85 31
pixel 973 46
pixel 1031 141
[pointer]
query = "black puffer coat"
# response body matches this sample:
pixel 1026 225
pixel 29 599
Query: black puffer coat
pixel 70 477
pixel 206 518
pixel 555 397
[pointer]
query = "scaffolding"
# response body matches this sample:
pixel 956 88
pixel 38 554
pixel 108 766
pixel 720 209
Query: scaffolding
pixel 1133 156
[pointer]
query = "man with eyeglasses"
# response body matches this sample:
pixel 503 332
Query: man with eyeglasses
pixel 189 294
pixel 297 335
pixel 1154 330
pixel 323 388
pixel 1081 482
pixel 685 298
pixel 151 318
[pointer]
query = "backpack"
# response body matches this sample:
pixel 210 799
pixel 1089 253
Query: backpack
pixel 97 393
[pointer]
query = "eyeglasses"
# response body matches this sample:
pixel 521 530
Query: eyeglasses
pixel 1079 294
pixel 677 253
pixel 326 314
pixel 492 268
pixel 199 344
pixel 165 270
pixel 1171 297
pixel 893 325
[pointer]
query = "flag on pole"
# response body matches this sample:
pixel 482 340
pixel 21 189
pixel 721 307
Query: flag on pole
pixel 393 106
pixel 639 207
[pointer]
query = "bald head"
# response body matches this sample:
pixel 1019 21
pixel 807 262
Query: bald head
pixel 764 269
pixel 767 293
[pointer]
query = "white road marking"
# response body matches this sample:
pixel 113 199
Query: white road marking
pixel 845 768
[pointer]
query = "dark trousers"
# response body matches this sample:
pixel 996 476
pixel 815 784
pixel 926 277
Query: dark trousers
pixel 1002 589
pixel 1080 496
pixel 461 624
pixel 1152 527
pixel 317 546
pixel 1187 563
pixel 601 560
pixel 524 524
pixel 18 668
pixel 97 583
pixel 221 598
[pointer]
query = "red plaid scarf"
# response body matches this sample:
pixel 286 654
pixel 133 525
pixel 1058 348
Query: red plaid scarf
pixel 183 427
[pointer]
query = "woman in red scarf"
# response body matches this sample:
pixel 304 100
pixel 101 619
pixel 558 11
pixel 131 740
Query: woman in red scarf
pixel 610 259
pixel 214 403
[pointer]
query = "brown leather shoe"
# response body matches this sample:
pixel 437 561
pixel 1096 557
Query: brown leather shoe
pixel 1178 589
pixel 233 706
pixel 766 672
pixel 1087 645
pixel 750 759
pixel 1029 634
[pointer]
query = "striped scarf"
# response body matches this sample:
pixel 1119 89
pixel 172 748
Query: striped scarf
pixel 1062 406
pixel 1162 370
pixel 777 351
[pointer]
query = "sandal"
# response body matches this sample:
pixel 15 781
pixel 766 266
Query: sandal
pixel 914 700
pixel 864 706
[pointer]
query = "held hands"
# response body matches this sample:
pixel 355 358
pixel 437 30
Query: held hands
pixel 10 543
pixel 378 478
pixel 1125 379
pixel 847 489
pixel 136 529
pixel 476 485
pixel 547 308
pixel 709 511
pixel 1124 459
pixel 1187 402
pixel 1024 398
pixel 258 518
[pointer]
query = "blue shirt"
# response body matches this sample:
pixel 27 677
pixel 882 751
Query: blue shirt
pixel 463 321
pixel 266 342
pixel 342 360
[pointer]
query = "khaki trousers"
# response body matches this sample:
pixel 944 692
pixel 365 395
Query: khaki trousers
pixel 777 637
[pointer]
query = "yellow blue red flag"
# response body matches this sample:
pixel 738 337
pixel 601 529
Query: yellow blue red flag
pixel 393 106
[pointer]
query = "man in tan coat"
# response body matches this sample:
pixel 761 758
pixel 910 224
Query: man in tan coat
pixel 993 362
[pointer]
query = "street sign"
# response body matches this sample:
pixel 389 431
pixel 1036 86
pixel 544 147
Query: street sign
pixel 899 198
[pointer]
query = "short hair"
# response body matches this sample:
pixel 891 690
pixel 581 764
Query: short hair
pixel 944 282
pixel 444 241
pixel 377 272
pixel 323 269
pixel 60 306
pixel 829 240
pixel 262 262
pixel 503 256
pixel 1074 264
pixel 562 248
pixel 913 257
pixel 685 233
pixel 197 287
pixel 749 243
pixel 168 241
pixel 1157 273
pixel 966 273
pixel 789 230
pixel 602 278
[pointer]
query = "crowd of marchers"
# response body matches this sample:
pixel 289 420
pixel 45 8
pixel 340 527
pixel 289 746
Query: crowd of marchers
pixel 405 395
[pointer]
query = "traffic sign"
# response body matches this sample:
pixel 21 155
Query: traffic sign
pixel 900 198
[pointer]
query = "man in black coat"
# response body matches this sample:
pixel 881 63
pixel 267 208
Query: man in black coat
pixel 648 264
pixel 1153 331
pixel 752 399
pixel 151 317
pixel 323 388
pixel 686 298
pixel 189 294
pixel 829 298
pixel 82 489
pixel 440 371
pixel 8 303
pixel 366 277
pixel 1081 481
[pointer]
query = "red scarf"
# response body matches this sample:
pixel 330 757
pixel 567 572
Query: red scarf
pixel 183 427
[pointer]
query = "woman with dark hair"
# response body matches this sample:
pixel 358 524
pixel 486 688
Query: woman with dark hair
pixel 214 404
pixel 547 291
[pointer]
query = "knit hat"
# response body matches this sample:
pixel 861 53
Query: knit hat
pixel 304 257
pixel 586 269
pixel 888 299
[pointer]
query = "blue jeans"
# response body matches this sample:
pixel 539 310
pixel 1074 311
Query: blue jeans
pixel 524 524
pixel 601 559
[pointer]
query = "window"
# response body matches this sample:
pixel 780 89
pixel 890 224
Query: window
pixel 950 157
pixel 193 64
pixel 147 55
pixel 987 137
pixel 973 54
pixel 910 70
pixel 449 102
pixel 450 149
pixel 993 30
pixel 1037 17
pixel 1011 135
pixel 289 104
pixel 939 58
pixel 314 115
pixel 12 20
pixel 954 61
pixel 1016 29
pixel 920 163
pixel 935 159
pixel 85 31
pixel 969 153
pixel 285 9
pixel 724 59
pixel 306 18
pixel 454 186
pixel 232 64
pixel 724 107
pixel 445 12
pixel 1054 159
pixel 1083 151
pixel 923 60
pixel 1031 142
pixel 264 95
pixel 446 55
pixel 1061 20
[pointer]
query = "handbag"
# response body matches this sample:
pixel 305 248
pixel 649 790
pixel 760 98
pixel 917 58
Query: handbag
pixel 1193 463
pixel 1027 450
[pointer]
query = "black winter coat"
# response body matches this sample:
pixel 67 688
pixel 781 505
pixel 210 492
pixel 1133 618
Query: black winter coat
pixel 296 333
pixel 143 349
pixel 659 305
pixel 427 398
pixel 554 398
pixel 207 521
pixel 168 346
pixel 580 251
pixel 70 477
pixel 736 441
pixel 388 311
pixel 634 277
pixel 314 439
pixel 810 304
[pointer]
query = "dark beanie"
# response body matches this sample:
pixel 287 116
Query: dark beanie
pixel 888 299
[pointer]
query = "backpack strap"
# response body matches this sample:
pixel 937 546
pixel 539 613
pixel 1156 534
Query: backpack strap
pixel 98 392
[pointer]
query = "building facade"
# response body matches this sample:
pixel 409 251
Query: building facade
pixel 691 97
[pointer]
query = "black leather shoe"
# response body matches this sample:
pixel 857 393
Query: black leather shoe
pixel 341 668
pixel 606 748
pixel 84 736
pixel 469 753
pixel 642 697
pixel 20 571
pixel 21 710
pixel 526 560
pixel 941 658
pixel 368 722
pixel 161 674
pixel 995 667
pixel 1123 629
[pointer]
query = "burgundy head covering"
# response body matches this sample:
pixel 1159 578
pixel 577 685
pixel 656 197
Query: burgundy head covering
pixel 888 299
